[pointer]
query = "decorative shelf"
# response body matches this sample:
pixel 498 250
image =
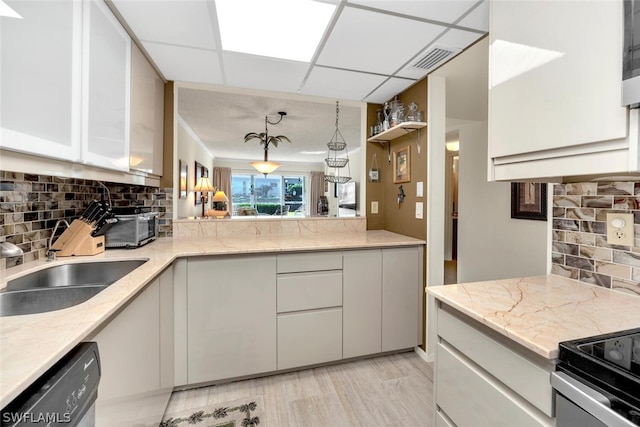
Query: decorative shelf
pixel 397 131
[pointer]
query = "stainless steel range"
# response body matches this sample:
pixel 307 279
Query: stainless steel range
pixel 598 381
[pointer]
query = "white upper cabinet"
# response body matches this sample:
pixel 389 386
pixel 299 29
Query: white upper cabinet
pixel 555 79
pixel 147 115
pixel 106 88
pixel 40 78
pixel 64 81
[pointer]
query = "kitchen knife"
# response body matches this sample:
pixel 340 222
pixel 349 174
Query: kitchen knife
pixel 89 211
pixel 102 229
pixel 102 219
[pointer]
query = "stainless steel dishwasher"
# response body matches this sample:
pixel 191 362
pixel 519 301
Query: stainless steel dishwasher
pixel 63 396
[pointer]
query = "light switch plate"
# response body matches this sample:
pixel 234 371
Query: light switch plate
pixel 620 230
pixel 374 207
pixel 419 210
pixel 419 189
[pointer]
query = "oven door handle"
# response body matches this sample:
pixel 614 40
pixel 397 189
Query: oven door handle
pixel 590 400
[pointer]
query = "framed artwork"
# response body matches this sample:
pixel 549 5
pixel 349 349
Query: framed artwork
pixel 529 200
pixel 200 172
pixel 402 165
pixel 182 178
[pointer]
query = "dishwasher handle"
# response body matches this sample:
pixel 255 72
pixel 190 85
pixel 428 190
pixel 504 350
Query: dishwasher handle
pixel 590 400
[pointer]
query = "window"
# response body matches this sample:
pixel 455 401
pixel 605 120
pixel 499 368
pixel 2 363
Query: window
pixel 273 194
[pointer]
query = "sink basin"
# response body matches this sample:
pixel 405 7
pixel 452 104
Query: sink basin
pixel 61 286
pixel 45 299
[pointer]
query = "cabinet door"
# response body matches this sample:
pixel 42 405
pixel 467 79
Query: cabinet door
pixel 106 88
pixel 554 96
pixel 473 399
pixel 166 332
pixel 362 303
pixel 147 115
pixel 129 349
pixel 231 317
pixel 40 78
pixel 401 296
pixel 309 337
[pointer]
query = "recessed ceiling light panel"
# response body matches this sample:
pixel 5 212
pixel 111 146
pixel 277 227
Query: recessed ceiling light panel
pixel 285 29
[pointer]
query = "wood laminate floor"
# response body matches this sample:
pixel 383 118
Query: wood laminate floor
pixel 395 390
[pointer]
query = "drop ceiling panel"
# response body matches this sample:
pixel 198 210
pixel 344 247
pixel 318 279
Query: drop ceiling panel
pixel 456 39
pixel 388 90
pixel 203 65
pixel 184 23
pixel 478 18
pixel 375 42
pixel 340 84
pixel 438 10
pixel 276 75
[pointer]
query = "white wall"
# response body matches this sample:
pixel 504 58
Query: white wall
pixel 492 245
pixel 190 150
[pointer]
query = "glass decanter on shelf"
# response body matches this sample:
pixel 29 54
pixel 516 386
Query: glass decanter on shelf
pixel 387 116
pixel 412 114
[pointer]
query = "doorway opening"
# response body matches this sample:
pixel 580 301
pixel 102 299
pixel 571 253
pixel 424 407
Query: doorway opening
pixel 451 208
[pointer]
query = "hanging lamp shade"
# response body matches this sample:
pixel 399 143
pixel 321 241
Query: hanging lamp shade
pixel 265 167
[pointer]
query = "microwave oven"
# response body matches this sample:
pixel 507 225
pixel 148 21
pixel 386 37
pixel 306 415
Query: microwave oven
pixel 135 227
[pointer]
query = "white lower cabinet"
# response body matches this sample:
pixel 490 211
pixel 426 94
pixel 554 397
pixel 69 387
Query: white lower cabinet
pixel 483 381
pixel 238 316
pixel 136 356
pixel 309 337
pixel 402 297
pixel 362 304
pixel 309 308
pixel 231 317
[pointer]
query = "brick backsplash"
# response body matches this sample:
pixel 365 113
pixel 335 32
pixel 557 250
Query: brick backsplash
pixel 579 247
pixel 30 206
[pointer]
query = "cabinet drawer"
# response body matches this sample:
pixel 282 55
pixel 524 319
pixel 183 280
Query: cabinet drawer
pixel 318 261
pixel 309 338
pixel 304 291
pixel 523 376
pixel 441 420
pixel 471 398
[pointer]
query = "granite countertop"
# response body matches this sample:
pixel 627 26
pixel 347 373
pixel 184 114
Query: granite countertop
pixel 30 344
pixel 542 311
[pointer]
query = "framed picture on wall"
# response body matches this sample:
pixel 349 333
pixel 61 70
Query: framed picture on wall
pixel 529 200
pixel 402 165
pixel 200 172
pixel 182 178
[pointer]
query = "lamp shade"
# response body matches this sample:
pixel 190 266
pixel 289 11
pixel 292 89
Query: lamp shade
pixel 203 184
pixel 220 196
pixel 265 167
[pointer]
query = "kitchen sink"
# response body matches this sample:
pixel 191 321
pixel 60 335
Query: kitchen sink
pixel 61 286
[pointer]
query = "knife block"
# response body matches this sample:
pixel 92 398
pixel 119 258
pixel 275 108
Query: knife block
pixel 77 240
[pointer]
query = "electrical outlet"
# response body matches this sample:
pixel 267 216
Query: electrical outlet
pixel 374 207
pixel 620 229
pixel 618 351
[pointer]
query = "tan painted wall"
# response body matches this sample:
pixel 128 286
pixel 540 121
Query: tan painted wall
pixel 393 217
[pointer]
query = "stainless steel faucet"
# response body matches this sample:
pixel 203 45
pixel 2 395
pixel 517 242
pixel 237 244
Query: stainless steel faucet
pixel 9 250
pixel 51 253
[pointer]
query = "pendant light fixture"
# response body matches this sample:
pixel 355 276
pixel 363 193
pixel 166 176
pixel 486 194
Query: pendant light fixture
pixel 266 167
pixel 335 160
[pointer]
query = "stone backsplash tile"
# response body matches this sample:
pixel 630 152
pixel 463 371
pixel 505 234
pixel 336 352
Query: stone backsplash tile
pixel 580 249
pixel 31 204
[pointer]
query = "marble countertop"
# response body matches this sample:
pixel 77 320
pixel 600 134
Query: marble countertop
pixel 30 344
pixel 542 311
